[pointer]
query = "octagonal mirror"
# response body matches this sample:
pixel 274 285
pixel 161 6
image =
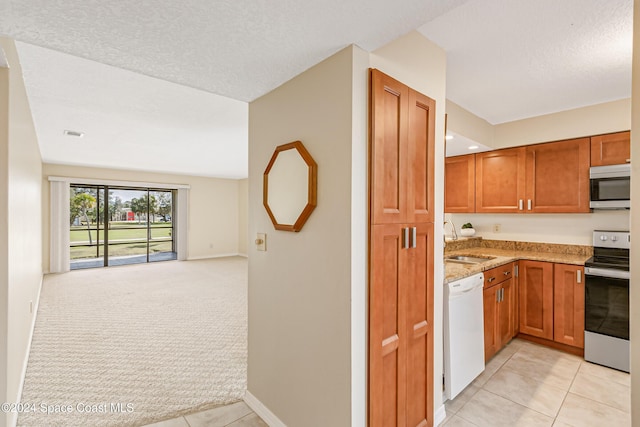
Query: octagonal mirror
pixel 289 186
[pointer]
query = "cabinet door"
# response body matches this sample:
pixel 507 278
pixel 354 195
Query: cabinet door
pixel 460 184
pixel 420 162
pixel 387 327
pixel 611 149
pixel 491 339
pixel 389 138
pixel 500 181
pixel 568 310
pixel 505 312
pixel 536 298
pixel 420 327
pixel 558 177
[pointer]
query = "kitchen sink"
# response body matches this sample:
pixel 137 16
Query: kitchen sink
pixel 465 259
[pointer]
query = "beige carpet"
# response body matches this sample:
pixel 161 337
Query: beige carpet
pixel 159 339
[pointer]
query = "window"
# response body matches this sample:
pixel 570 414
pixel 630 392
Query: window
pixel 139 225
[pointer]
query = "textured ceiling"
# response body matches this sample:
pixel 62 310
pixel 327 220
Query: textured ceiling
pixel 236 48
pixel 230 51
pixel 506 60
pixel 513 59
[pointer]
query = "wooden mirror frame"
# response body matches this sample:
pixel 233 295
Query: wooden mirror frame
pixel 311 190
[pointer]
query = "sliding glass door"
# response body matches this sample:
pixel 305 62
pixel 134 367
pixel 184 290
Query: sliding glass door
pixel 139 226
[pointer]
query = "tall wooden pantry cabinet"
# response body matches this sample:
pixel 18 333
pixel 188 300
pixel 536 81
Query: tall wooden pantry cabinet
pixel 402 123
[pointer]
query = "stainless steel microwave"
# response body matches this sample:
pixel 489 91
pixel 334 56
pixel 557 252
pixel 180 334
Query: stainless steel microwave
pixel 610 186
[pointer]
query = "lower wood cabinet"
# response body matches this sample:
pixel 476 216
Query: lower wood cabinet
pixel 499 308
pixel 568 304
pixel 551 301
pixel 536 298
pixel 401 325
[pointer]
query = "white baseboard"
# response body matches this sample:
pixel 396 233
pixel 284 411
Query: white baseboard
pixel 14 417
pixel 195 258
pixel 440 415
pixel 262 411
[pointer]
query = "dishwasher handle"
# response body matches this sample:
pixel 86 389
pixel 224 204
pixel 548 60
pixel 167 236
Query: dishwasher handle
pixel 463 287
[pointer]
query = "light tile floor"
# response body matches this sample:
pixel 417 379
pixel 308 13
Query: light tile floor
pixel 234 415
pixel 526 384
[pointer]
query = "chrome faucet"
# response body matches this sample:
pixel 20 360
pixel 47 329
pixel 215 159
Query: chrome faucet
pixel 453 229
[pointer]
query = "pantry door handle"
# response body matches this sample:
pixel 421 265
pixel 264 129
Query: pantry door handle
pixel 405 238
pixel 529 204
pixel 414 236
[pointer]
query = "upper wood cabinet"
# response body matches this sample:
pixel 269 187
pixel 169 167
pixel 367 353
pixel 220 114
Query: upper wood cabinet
pixel 402 135
pixel 611 149
pixel 500 180
pixel 540 178
pixel 460 184
pixel 558 177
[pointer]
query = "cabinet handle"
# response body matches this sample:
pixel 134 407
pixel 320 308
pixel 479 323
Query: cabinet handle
pixel 520 205
pixel 501 294
pixel 414 236
pixel 491 279
pixel 498 296
pixel 516 270
pixel 628 160
pixel 529 204
pixel 506 273
pixel 405 238
pixel 579 276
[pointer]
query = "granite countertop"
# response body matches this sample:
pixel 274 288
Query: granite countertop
pixel 505 252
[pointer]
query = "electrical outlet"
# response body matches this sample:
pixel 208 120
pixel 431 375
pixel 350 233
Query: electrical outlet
pixel 496 228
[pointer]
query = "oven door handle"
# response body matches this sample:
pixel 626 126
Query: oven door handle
pixel 605 272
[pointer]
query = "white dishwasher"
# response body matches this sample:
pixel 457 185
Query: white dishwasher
pixel 463 333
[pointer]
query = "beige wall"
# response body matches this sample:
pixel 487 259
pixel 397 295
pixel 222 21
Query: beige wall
pixel 20 205
pixel 597 119
pixel 635 222
pixel 4 235
pixel 469 125
pixel 421 64
pixel 299 289
pixel 243 216
pixel 213 207
pixel 593 120
pixel 573 229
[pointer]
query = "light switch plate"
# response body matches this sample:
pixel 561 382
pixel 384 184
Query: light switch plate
pixel 261 241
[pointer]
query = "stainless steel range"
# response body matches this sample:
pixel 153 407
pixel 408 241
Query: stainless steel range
pixel 606 336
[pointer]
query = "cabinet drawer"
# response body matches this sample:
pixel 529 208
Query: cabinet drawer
pixel 498 275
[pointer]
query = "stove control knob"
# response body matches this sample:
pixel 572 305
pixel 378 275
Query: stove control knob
pixel 603 237
pixel 614 238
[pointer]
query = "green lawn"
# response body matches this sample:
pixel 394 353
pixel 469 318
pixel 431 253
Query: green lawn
pixel 120 233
